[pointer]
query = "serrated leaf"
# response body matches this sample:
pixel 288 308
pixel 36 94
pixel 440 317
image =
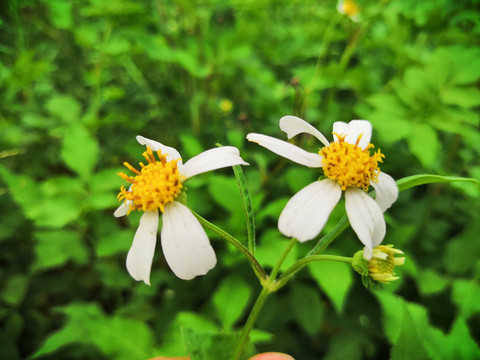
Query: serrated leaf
pixel 335 279
pixel 172 343
pixel 79 151
pixel 55 248
pixel 231 299
pixel 117 337
pixel 208 345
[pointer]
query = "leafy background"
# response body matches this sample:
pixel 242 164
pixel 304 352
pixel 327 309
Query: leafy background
pixel 78 81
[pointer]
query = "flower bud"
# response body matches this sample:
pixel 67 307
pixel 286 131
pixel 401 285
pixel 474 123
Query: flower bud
pixel 380 268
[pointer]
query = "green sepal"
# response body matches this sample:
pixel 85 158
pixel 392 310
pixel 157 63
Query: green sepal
pixel 182 198
pixel 422 179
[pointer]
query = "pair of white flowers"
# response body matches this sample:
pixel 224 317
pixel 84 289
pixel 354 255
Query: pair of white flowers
pixel 346 163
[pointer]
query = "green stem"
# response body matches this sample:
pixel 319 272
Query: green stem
pixel 255 264
pixel 252 318
pixel 328 238
pixel 300 264
pixel 269 286
pixel 282 258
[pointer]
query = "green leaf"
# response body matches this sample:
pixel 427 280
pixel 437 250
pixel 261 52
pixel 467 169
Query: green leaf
pixel 80 151
pixel 172 343
pixel 409 345
pixel 270 245
pixel 423 143
pixel 231 299
pixel 55 248
pixel 191 145
pixel 466 294
pixel 58 211
pixel 64 107
pixel 60 13
pixel 461 253
pixel 224 191
pixel 422 179
pixel 24 191
pixel 466 64
pixel 247 207
pixel 462 341
pixel 299 177
pixel 208 345
pixel 117 337
pixel 431 282
pixel 335 279
pixel 464 97
pixel 306 305
pixel 405 324
pixel 14 289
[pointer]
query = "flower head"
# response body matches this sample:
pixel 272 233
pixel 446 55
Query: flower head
pixel 349 8
pixel 349 167
pixel 380 267
pixel 155 188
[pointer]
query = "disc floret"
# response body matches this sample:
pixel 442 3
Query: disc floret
pixel 154 186
pixel 349 164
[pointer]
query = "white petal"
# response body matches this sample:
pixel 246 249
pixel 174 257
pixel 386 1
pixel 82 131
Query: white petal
pixel 308 210
pixel 287 150
pixel 212 159
pixel 140 255
pixel 340 128
pixel 293 125
pixel 366 218
pixel 122 209
pixel 386 191
pixel 185 244
pixel 172 154
pixel 358 128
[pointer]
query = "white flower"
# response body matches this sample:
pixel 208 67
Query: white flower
pixel 349 8
pixel 349 167
pixel 155 188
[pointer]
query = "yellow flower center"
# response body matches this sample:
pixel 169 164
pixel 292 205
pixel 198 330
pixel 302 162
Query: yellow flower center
pixel 381 266
pixel 350 8
pixel 157 184
pixel 349 164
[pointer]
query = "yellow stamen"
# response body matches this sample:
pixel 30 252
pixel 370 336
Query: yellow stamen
pixel 349 164
pixel 155 185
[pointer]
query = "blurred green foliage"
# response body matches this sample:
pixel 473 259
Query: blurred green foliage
pixel 79 79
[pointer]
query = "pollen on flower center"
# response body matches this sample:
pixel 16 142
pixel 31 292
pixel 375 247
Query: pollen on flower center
pixel 154 186
pixel 349 164
pixel 350 8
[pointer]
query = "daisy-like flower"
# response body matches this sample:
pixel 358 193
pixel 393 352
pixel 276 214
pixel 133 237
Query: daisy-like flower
pixel 348 167
pixel 155 188
pixel 349 8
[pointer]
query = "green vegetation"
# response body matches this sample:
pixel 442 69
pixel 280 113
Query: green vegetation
pixel 80 79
